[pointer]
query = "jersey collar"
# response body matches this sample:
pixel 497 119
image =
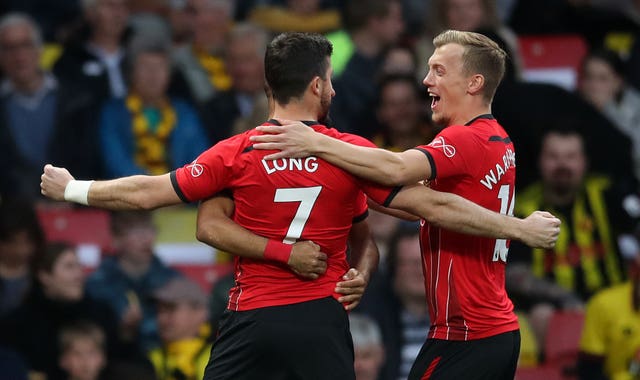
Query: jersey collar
pixel 485 116
pixel 309 123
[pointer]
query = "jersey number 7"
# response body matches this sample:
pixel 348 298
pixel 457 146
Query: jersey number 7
pixel 307 197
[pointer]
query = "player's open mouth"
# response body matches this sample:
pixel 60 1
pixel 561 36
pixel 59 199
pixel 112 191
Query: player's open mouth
pixel 435 99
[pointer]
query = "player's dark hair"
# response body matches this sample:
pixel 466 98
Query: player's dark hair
pixel 292 61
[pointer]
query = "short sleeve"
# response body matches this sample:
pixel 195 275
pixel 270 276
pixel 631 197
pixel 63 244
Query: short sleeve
pixel 206 175
pixel 448 152
pixel 362 209
pixel 593 339
pixel 378 193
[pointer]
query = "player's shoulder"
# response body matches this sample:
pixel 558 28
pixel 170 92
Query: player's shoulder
pixel 343 136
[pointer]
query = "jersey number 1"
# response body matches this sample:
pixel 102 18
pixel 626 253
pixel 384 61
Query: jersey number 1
pixel 506 207
pixel 307 197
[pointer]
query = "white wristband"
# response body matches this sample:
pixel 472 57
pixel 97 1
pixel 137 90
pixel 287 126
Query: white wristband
pixel 77 191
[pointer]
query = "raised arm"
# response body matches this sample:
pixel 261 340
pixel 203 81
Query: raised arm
pixel 216 228
pixel 389 168
pixel 452 212
pixel 126 193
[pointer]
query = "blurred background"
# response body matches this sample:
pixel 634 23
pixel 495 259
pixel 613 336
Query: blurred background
pixel 110 88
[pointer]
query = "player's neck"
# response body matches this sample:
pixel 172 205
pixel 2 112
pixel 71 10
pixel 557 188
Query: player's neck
pixel 469 113
pixel 294 111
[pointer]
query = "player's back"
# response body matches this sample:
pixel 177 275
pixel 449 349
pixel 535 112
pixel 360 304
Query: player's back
pixel 465 274
pixel 287 200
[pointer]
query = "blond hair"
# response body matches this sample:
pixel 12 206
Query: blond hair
pixel 481 56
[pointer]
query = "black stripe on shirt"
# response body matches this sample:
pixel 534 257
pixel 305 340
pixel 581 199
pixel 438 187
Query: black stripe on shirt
pixel 360 217
pixel 176 187
pixel 392 195
pixel 431 162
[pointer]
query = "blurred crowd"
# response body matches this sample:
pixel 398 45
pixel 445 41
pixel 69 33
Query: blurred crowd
pixel 110 88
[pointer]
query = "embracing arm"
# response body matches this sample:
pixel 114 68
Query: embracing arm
pixel 455 213
pixel 126 193
pixel 216 228
pixel 364 261
pixel 389 168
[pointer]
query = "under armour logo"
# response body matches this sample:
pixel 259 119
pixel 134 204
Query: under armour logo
pixel 449 150
pixel 196 169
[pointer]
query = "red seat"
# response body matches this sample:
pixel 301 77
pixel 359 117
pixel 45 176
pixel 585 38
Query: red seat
pixel 554 58
pixel 562 341
pixel 76 226
pixel 204 274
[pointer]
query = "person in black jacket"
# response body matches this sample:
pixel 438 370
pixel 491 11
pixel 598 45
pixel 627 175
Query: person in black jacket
pixel 57 298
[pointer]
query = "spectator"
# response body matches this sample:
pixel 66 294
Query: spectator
pixel 399 60
pixel 610 343
pixel 21 241
pixel 201 62
pixel 56 299
pixel 602 83
pixel 557 108
pixel 296 16
pixel 82 351
pixel 127 279
pixel 396 301
pixel 244 105
pixel 95 60
pixel 586 257
pixel 33 108
pixel 149 132
pixel 402 114
pixel 367 344
pixel 373 26
pixel 182 315
pixel 180 19
pixel 466 15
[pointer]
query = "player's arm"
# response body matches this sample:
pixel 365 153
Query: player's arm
pixel 452 212
pixel 392 211
pixel 389 168
pixel 126 193
pixel 364 259
pixel 216 228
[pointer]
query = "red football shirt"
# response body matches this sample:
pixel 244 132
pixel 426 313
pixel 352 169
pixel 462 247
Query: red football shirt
pixel 288 200
pixel 465 275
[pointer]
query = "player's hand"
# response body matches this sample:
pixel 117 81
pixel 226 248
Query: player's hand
pixel 292 139
pixel 352 288
pixel 541 230
pixel 54 181
pixel 307 261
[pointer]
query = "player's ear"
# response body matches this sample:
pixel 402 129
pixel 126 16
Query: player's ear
pixel 476 83
pixel 316 85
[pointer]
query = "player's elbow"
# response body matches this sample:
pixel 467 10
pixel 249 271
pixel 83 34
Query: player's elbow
pixel 207 233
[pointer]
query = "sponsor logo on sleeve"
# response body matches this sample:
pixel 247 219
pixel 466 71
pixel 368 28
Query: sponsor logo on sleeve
pixel 196 169
pixel 439 143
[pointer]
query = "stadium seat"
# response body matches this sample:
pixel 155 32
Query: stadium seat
pixel 86 228
pixel 76 226
pixel 204 275
pixel 562 341
pixel 552 59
